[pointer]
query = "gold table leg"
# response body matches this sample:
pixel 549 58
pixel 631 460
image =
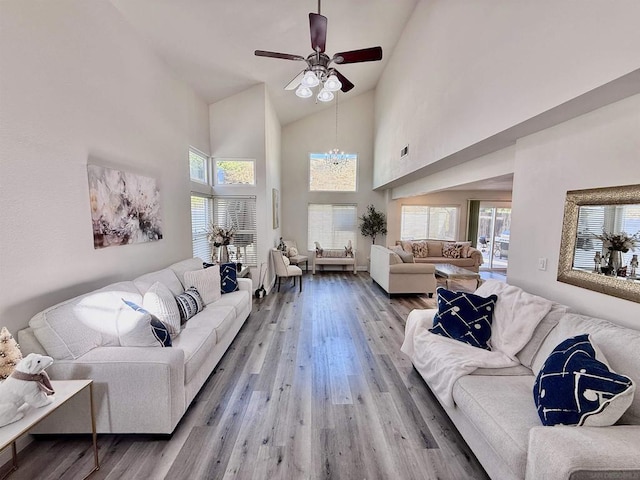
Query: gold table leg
pixel 94 435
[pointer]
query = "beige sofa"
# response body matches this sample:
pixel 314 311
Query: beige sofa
pixel 494 409
pixel 431 251
pixel 394 276
pixel 137 389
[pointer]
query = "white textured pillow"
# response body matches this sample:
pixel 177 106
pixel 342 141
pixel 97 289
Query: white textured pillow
pixel 286 260
pixel 159 301
pixel 206 281
pixel 292 251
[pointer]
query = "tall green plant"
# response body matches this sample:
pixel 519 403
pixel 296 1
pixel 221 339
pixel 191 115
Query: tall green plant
pixel 373 223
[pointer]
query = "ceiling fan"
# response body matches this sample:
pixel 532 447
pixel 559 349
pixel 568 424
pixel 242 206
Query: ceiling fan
pixel 318 70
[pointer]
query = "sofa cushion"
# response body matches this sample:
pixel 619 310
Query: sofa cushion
pixel 219 317
pixel 240 300
pixel 576 387
pixel 229 277
pixel 415 268
pixel 406 257
pixel 548 323
pixel 160 302
pixel 451 250
pixel 464 317
pixel 165 276
pixel 435 248
pixel 394 259
pixel 619 345
pixel 187 265
pixel 502 412
pixel 206 281
pixel 517 315
pixel 72 328
pixel 189 304
pixel 197 344
pixel 138 328
pixel 419 249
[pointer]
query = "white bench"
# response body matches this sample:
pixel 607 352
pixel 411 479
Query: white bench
pixel 334 257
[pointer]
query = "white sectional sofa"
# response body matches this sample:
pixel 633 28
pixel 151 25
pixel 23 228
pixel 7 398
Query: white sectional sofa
pixel 138 389
pixel 395 276
pixel 494 409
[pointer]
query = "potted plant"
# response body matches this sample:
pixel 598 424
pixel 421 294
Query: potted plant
pixel 373 223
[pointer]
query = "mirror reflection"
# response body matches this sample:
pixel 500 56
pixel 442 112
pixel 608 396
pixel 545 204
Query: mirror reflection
pixel 607 240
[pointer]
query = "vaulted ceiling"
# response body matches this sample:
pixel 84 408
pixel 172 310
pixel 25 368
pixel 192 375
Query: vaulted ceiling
pixel 210 43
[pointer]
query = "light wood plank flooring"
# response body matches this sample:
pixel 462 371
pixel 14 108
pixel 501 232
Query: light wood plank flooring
pixel 313 387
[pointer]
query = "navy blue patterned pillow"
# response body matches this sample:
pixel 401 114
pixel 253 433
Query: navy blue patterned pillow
pixel 465 317
pixel 136 337
pixel 189 303
pixel 576 386
pixel 228 278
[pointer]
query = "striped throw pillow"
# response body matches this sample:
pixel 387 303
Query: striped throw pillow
pixel 189 303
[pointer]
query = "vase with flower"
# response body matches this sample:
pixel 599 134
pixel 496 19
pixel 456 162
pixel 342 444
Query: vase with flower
pixel 617 244
pixel 220 237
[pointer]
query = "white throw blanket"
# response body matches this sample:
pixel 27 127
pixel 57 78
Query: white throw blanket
pixel 442 361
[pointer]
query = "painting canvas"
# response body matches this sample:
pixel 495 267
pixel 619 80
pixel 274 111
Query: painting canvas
pixel 125 207
pixel 276 208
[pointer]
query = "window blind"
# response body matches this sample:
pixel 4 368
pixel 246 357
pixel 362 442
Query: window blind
pixel 239 212
pixel 331 225
pixel 422 222
pixel 200 217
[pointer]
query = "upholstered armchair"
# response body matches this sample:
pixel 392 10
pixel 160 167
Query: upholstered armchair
pixel 284 269
pixel 296 259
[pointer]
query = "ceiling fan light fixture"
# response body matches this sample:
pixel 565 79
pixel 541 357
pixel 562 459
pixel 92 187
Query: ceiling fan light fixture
pixel 325 95
pixel 303 92
pixel 310 79
pixel 332 83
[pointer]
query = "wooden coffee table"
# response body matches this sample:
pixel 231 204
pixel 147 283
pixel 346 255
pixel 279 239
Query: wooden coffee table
pixel 457 278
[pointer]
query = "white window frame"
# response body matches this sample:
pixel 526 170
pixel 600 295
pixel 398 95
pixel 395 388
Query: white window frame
pixel 428 233
pixel 227 159
pixel 335 243
pixel 207 166
pixel 315 154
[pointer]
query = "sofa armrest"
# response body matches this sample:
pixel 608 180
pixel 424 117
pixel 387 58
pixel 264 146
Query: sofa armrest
pixel 476 255
pixel 563 452
pixel 414 268
pixel 245 284
pixel 130 384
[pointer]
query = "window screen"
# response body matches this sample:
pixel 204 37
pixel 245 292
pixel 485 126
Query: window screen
pixel 331 225
pixel 422 222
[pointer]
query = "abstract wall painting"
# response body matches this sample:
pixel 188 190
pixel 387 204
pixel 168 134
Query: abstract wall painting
pixel 125 207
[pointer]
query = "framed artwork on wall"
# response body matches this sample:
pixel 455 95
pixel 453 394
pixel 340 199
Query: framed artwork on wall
pixel 125 207
pixel 276 207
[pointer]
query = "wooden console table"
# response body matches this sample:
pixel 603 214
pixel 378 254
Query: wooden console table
pixel 65 390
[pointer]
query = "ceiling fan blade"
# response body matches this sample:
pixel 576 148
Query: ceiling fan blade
pixel 372 54
pixel 346 84
pixel 318 27
pixel 285 56
pixel 293 84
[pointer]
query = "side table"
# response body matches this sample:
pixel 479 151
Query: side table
pixel 65 390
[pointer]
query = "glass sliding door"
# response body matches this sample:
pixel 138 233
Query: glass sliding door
pixel 494 223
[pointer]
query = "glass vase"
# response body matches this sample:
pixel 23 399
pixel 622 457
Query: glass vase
pixel 615 261
pixel 223 256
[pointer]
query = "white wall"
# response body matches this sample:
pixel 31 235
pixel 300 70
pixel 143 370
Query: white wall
pixel 79 86
pixel 246 126
pixel 465 71
pixel 600 149
pixel 316 133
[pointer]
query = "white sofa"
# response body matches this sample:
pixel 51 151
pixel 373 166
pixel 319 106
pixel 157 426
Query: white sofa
pixel 394 276
pixel 141 389
pixel 494 409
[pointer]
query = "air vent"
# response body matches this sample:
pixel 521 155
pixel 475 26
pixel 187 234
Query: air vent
pixel 405 151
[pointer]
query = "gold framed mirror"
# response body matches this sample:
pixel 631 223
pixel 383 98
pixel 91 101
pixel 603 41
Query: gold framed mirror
pixel 599 225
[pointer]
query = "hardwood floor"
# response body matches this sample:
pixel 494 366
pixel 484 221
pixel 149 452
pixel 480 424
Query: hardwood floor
pixel 313 387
